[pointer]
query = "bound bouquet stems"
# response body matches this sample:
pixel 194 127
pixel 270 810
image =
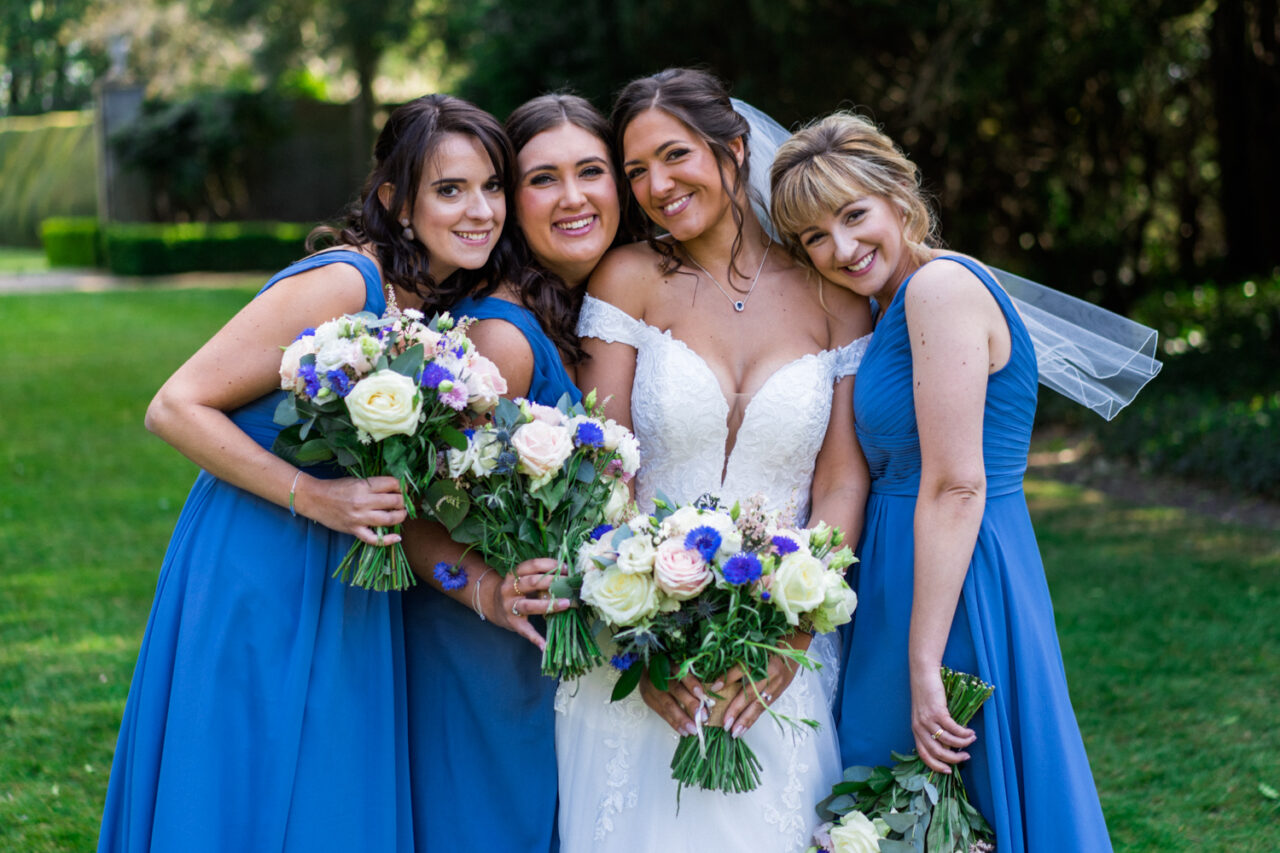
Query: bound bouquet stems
pixel 713 759
pixel 910 807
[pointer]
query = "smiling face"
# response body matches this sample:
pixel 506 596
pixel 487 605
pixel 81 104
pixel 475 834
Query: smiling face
pixel 674 174
pixel 460 207
pixel 567 200
pixel 860 246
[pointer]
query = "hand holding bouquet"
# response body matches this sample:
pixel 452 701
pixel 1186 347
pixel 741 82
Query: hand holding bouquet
pixel 700 590
pixel 380 396
pixel 909 808
pixel 534 483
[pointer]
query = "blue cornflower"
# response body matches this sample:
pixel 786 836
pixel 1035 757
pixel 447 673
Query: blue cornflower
pixel 433 374
pixel 588 434
pixel 308 374
pixel 622 662
pixel 460 351
pixel 784 545
pixel 339 382
pixel 765 596
pixel 705 540
pixel 742 568
pixel 305 333
pixel 451 576
pixel 600 531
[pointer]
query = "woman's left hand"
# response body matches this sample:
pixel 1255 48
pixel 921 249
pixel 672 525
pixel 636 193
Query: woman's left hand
pixel 745 708
pixel 524 593
pixel 940 740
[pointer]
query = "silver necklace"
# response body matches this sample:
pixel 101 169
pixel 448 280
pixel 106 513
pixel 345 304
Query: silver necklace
pixel 739 305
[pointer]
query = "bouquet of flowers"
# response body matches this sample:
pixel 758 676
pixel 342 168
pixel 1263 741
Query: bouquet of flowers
pixel 380 396
pixel 700 590
pixel 909 808
pixel 535 483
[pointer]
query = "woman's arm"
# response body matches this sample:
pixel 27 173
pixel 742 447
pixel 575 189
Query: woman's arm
pixel 241 363
pixel 951 318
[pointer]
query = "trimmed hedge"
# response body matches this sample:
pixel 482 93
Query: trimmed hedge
pixel 72 241
pixel 163 249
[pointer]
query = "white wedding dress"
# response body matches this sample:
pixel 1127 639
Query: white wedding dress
pixel 616 790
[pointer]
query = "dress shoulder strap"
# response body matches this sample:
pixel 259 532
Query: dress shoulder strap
pixel 609 323
pixel 375 299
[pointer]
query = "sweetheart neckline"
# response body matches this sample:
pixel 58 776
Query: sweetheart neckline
pixel 724 400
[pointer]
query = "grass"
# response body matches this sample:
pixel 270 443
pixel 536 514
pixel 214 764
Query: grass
pixel 19 259
pixel 1165 619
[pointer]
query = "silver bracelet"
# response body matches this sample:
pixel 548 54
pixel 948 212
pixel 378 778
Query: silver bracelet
pixel 475 597
pixel 292 488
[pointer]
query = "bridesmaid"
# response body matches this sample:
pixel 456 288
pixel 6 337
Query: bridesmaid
pixel 480 712
pixel 950 572
pixel 267 706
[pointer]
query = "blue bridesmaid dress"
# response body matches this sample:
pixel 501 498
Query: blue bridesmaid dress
pixel 481 715
pixel 1028 774
pixel 267 709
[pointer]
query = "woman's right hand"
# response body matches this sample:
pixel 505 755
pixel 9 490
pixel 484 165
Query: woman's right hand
pixel 351 505
pixel 682 701
pixel 521 594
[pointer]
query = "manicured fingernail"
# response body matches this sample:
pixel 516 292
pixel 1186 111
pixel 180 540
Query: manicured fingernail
pixel 702 715
pixel 737 732
pixel 690 729
pixel 728 722
pixel 717 685
pixel 697 691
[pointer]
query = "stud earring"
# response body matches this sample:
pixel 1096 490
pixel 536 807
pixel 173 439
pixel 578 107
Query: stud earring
pixel 408 232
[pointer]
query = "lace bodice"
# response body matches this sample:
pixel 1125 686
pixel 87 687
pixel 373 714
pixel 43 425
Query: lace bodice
pixel 679 415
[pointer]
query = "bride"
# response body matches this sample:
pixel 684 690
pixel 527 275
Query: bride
pixel 734 369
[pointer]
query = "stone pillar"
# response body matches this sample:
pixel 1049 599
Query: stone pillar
pixel 122 193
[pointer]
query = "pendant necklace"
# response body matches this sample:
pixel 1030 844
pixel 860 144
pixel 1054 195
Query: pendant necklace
pixel 739 305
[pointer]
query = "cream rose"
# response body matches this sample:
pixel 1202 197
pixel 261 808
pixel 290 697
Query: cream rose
pixel 484 384
pixel 617 507
pixel 838 603
pixel 635 555
pixel 798 585
pixel 291 360
pixel 480 457
pixel 681 522
pixel 679 572
pixel 621 598
pixel 855 834
pixel 589 551
pixel 542 448
pixel 385 403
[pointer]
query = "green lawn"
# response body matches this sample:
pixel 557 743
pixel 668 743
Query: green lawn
pixel 1167 621
pixel 14 259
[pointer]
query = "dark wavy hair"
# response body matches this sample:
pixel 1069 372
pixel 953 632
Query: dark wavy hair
pixel 700 102
pixel 546 294
pixel 408 141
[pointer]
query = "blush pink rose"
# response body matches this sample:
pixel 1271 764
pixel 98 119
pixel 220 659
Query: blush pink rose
pixel 679 572
pixel 542 448
pixel 484 384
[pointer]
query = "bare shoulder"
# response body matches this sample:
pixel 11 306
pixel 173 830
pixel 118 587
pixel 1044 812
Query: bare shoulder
pixel 625 277
pixel 848 314
pixel 945 287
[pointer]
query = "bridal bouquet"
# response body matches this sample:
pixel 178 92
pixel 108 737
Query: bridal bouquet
pixel 700 590
pixel 535 483
pixel 380 396
pixel 909 808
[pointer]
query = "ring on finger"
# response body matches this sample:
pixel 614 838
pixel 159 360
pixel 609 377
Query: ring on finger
pixel 937 734
pixel 516 583
pixel 514 611
pixel 766 697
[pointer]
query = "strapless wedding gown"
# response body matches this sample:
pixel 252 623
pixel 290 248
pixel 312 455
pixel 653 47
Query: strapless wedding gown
pixel 616 790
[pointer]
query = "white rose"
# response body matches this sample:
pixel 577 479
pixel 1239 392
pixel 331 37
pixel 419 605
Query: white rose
pixel 338 354
pixel 385 403
pixel 622 599
pixel 681 522
pixel 484 384
pixel 855 834
pixel 460 461
pixel 798 585
pixel 635 555
pixel 680 572
pixel 478 459
pixel 619 503
pixel 601 548
pixel 838 603
pixel 291 360
pixel 542 448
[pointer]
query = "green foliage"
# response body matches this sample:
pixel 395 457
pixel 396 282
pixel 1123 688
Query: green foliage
pixel 46 67
pixel 48 167
pixel 72 241
pixel 162 249
pixel 1213 413
pixel 193 152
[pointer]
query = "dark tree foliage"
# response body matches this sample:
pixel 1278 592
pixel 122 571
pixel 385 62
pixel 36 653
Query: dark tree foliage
pixel 1076 142
pixel 39 71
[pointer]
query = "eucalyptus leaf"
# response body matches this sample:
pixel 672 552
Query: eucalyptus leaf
pixel 287 411
pixel 622 534
pixel 857 773
pixel 900 821
pixel 562 587
pixel 888 845
pixel 586 471
pixel 507 414
pixel 409 362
